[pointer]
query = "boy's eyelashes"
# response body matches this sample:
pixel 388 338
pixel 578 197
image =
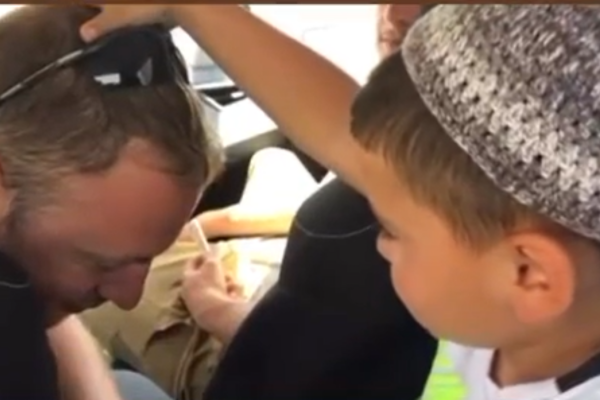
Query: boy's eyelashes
pixel 384 232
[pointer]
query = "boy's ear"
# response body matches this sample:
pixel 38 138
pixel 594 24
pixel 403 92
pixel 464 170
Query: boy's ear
pixel 544 277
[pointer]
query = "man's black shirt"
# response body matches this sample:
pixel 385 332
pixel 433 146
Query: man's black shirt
pixel 332 327
pixel 27 365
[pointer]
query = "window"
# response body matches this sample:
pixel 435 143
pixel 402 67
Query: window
pixel 5 8
pixel 344 33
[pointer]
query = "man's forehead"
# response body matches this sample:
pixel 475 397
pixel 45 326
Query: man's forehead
pixel 134 216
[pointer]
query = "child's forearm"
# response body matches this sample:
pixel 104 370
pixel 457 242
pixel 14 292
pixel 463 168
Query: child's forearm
pixel 305 94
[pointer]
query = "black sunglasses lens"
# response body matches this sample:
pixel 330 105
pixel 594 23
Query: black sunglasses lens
pixel 139 57
pixel 129 57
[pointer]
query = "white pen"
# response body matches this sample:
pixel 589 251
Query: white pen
pixel 200 236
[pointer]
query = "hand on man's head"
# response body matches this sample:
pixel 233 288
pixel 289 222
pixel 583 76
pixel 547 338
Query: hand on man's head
pixel 112 17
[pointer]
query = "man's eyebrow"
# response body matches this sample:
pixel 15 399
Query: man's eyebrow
pixel 121 260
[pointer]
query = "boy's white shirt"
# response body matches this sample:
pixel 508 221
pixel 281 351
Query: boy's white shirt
pixel 473 365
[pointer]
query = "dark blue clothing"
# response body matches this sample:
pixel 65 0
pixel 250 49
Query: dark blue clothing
pixel 332 328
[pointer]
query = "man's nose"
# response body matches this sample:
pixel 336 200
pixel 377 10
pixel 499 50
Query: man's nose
pixel 125 287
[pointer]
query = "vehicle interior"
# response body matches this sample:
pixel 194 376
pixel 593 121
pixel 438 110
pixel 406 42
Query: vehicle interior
pixel 242 125
pixel 245 129
pixel 325 29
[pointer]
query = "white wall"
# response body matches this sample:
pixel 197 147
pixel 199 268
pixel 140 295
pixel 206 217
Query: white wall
pixel 4 8
pixel 344 33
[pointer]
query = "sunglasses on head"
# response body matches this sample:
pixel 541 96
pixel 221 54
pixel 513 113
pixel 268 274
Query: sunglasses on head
pixel 130 57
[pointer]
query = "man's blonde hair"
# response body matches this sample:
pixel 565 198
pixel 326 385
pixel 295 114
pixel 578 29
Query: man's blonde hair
pixel 67 123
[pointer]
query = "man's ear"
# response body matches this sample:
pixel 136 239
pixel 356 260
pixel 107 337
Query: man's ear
pixel 544 277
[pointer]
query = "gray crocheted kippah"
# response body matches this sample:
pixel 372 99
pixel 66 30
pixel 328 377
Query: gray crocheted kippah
pixel 518 88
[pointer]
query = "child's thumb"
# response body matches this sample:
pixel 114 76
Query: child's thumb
pixel 211 266
pixel 101 24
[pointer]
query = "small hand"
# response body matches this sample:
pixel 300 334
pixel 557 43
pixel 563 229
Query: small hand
pixel 207 290
pixel 113 17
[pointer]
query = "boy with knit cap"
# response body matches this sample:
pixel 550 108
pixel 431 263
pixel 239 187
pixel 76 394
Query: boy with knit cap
pixel 479 145
pixel 488 121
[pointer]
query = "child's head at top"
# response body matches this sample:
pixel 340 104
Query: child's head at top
pixel 488 191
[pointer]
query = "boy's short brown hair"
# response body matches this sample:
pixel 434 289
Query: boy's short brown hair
pixel 515 88
pixel 67 123
pixel 389 116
